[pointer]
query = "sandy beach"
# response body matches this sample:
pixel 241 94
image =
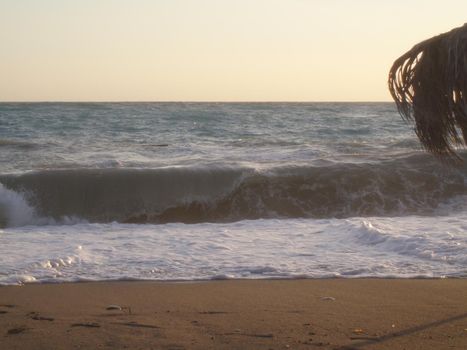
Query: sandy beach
pixel 241 314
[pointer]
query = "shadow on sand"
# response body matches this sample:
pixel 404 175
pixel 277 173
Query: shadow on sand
pixel 363 342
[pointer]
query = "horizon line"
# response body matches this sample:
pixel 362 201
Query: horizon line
pixel 193 101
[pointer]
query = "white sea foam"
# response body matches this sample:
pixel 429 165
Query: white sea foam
pixel 296 248
pixel 17 279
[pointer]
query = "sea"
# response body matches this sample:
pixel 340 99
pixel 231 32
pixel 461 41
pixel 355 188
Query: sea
pixel 207 191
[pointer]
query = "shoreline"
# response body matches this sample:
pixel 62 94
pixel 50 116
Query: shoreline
pixel 334 313
pixel 234 279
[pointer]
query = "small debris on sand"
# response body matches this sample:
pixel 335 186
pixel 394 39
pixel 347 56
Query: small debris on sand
pixel 114 307
pixel 328 298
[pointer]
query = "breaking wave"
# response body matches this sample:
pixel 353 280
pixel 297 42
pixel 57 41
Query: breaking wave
pixel 409 185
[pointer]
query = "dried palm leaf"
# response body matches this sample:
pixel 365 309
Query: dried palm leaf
pixel 429 85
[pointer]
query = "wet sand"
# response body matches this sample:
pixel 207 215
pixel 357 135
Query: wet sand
pixel 294 314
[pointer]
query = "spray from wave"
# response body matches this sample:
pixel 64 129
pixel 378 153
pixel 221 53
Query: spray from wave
pixel 14 209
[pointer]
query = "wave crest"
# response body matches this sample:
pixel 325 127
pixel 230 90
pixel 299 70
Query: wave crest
pixel 405 186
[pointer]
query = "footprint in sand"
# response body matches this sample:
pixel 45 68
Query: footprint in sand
pixel 9 306
pixel 86 325
pixel 16 330
pixel 35 316
pixel 135 324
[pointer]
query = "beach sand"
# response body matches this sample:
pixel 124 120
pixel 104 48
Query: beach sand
pixel 268 314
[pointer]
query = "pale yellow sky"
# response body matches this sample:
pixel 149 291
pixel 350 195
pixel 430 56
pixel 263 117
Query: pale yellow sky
pixel 210 50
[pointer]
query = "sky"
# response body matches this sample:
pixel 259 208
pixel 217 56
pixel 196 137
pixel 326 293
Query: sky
pixel 210 50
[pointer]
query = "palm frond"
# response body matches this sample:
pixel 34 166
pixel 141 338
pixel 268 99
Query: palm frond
pixel 429 85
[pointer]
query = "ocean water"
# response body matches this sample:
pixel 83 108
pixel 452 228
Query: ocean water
pixel 188 191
